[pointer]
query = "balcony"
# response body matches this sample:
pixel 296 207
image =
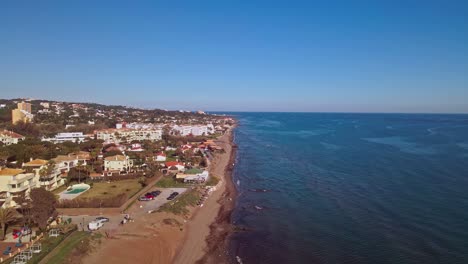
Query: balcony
pixel 20 178
pixel 18 189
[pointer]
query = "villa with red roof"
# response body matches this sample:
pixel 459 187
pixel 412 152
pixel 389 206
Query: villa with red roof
pixel 10 137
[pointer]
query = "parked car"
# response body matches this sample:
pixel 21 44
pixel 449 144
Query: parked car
pixel 144 198
pixel 95 225
pixel 172 196
pixel 149 196
pixel 102 219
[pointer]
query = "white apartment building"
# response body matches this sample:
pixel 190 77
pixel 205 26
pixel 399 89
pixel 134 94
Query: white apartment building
pixel 9 137
pixel 198 130
pixel 128 135
pixel 49 182
pixel 13 183
pixel 64 137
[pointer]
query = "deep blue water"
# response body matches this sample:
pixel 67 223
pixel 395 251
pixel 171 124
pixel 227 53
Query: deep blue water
pixel 352 188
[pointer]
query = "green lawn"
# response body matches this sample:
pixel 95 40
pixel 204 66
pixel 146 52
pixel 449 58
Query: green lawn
pixel 62 251
pixel 103 190
pixel 170 182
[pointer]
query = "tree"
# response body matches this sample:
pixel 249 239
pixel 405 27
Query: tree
pixel 7 217
pixel 48 169
pixel 43 206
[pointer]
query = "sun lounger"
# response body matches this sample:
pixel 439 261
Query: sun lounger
pixel 7 251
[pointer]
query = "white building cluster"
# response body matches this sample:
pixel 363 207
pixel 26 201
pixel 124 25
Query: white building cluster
pixel 76 137
pixel 126 135
pixel 194 130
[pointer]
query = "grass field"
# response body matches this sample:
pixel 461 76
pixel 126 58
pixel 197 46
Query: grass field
pixel 103 190
pixel 170 182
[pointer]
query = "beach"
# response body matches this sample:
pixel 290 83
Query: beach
pixel 168 238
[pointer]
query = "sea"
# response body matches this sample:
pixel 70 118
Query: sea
pixel 351 188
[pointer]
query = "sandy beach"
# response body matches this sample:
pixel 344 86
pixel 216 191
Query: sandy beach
pixel 167 238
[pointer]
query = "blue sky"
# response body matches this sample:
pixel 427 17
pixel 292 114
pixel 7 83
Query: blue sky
pixel 345 56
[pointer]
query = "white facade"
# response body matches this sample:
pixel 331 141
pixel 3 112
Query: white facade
pixel 14 182
pixel 9 137
pixel 128 135
pixel 64 137
pixel 117 163
pixel 198 130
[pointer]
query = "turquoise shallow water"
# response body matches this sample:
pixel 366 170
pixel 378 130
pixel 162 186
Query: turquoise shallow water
pixel 351 188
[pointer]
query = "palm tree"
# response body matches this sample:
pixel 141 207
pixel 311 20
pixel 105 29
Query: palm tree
pixel 7 216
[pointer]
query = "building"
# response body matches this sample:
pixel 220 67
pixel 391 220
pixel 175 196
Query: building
pixel 175 165
pixel 128 135
pixel 22 113
pixel 77 137
pixel 65 162
pixel 45 104
pixel 161 156
pixel 199 130
pixel 25 107
pixel 117 163
pixel 15 183
pixel 193 176
pixel 10 137
pixel 51 181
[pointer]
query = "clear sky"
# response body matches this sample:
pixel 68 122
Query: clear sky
pixel 357 56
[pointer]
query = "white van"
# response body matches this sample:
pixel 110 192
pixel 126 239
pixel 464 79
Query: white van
pixel 95 225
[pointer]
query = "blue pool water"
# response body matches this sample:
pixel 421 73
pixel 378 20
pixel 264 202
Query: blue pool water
pixel 351 188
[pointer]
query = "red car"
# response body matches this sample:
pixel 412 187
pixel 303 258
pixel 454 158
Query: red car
pixel 149 196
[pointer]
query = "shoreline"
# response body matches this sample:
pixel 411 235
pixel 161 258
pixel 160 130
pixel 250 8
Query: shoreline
pixel 205 238
pixel 221 229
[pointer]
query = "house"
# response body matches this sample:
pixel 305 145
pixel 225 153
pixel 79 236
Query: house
pixel 178 165
pixel 117 163
pixel 10 137
pixel 193 176
pixel 136 148
pixel 15 183
pixel 51 181
pixel 77 137
pixel 161 156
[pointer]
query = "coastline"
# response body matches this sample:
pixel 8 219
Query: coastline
pixel 221 228
pixel 205 238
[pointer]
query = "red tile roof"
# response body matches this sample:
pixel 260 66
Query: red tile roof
pixel 10 134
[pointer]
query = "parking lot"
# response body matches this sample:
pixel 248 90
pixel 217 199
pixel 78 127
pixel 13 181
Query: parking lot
pixel 141 207
pixel 160 199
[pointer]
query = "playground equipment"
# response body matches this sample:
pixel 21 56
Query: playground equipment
pixel 36 248
pixel 7 251
pixel 54 232
pixel 28 254
pixel 20 259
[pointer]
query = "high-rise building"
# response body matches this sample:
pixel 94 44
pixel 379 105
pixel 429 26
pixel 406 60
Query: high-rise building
pixel 24 106
pixel 22 113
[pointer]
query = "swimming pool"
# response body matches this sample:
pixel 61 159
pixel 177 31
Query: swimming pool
pixel 77 190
